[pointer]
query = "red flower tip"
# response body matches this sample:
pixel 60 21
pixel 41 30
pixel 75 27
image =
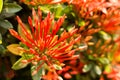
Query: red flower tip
pixel 67 76
pixel 13 32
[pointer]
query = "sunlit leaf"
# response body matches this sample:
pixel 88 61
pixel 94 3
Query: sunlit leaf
pixel 97 70
pixel 87 67
pixel 107 69
pixel 58 11
pixel 105 35
pixel 19 64
pixel 1 5
pixel 13 48
pixel 57 67
pixel 81 23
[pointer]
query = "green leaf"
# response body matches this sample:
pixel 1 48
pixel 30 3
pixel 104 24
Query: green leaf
pixel 4 15
pixel 87 67
pixel 45 8
pixel 58 11
pixel 11 7
pixel 104 60
pixel 105 35
pixel 0 39
pixel 93 74
pixel 19 64
pixel 2 30
pixel 98 70
pixel 1 5
pixel 1 49
pixel 39 73
pixel 108 69
pixel 81 23
pixel 5 24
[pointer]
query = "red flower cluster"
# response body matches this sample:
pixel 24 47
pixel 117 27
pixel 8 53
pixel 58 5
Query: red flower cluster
pixel 43 43
pixel 114 74
pixel 104 13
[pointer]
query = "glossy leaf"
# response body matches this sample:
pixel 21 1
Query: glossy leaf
pixel 19 64
pixel 1 5
pixel 5 24
pixel 87 67
pixel 97 70
pixel 12 7
pixel 13 48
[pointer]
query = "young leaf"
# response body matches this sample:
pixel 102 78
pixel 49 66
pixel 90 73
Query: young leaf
pixel 13 48
pixel 1 5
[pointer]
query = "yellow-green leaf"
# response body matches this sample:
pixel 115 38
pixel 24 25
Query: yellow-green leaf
pixel 1 5
pixel 19 64
pixel 13 48
pixel 0 39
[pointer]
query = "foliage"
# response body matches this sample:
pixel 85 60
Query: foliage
pixel 59 39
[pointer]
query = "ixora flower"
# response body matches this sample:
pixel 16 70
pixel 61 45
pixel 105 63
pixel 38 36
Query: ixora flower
pixel 44 44
pixel 105 13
